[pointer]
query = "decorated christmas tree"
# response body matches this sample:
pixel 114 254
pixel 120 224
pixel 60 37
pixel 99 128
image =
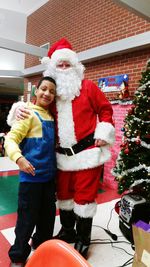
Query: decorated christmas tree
pixel 132 170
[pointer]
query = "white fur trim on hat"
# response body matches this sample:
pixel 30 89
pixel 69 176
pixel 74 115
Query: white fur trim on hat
pixel 65 204
pixel 105 131
pixel 45 60
pixel 12 113
pixel 64 54
pixel 85 211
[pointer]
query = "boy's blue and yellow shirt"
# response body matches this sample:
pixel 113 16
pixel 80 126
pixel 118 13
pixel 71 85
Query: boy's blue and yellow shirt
pixel 29 138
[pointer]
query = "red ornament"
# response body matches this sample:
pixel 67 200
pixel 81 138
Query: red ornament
pixel 123 145
pixel 126 151
pixel 138 141
pixel 130 111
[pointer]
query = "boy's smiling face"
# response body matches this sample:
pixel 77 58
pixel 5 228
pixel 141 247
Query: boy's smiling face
pixel 45 94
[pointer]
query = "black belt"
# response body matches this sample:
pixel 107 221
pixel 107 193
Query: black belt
pixel 81 145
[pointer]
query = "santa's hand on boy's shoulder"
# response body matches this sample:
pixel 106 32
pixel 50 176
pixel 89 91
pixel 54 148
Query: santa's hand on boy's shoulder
pixel 22 113
pixel 25 165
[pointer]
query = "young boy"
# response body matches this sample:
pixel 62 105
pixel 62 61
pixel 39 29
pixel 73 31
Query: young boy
pixel 31 144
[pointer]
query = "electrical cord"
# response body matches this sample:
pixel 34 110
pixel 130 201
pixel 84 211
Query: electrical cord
pixel 102 241
pixel 122 249
pixel 107 230
pixel 115 238
pixel 107 226
pixel 110 217
pixel 126 263
pixel 95 241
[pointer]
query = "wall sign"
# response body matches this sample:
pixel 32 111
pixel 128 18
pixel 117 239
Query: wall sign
pixel 113 83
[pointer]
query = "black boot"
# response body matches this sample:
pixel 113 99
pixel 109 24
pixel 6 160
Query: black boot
pixel 83 227
pixel 67 232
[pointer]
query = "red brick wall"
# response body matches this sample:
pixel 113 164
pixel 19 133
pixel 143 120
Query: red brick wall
pixel 86 24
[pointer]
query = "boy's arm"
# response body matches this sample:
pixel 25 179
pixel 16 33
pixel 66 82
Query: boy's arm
pixel 14 137
pixel 12 140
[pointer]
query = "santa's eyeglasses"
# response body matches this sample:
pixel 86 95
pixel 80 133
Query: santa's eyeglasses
pixel 63 65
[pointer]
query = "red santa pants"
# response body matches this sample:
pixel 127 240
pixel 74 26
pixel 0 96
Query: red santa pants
pixel 81 186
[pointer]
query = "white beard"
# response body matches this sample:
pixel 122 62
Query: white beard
pixel 68 84
pixel 68 81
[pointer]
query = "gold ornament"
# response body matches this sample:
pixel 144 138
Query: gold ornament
pixel 128 134
pixel 119 177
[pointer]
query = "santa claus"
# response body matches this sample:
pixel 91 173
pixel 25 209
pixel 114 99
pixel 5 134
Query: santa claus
pixel 85 132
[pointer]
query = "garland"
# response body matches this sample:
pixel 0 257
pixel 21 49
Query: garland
pixel 135 169
pixel 142 143
pixel 137 119
pixel 137 182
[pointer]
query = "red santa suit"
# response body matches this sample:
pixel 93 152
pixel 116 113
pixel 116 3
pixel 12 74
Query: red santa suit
pixel 88 113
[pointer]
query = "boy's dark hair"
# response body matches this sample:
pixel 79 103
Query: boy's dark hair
pixel 46 78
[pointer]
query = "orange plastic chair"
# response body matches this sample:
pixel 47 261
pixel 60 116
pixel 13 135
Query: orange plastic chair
pixel 56 253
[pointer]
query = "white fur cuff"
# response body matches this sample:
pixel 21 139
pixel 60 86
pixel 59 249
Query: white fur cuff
pixel 65 204
pixel 105 131
pixel 85 211
pixel 12 113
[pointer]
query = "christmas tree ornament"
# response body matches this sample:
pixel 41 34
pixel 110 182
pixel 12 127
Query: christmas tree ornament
pixel 128 134
pixel 130 112
pixel 138 141
pixel 126 151
pixel 119 177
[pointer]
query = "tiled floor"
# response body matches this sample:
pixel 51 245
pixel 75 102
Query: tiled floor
pixel 103 251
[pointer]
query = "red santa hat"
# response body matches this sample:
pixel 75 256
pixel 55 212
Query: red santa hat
pixel 61 44
pixel 62 50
